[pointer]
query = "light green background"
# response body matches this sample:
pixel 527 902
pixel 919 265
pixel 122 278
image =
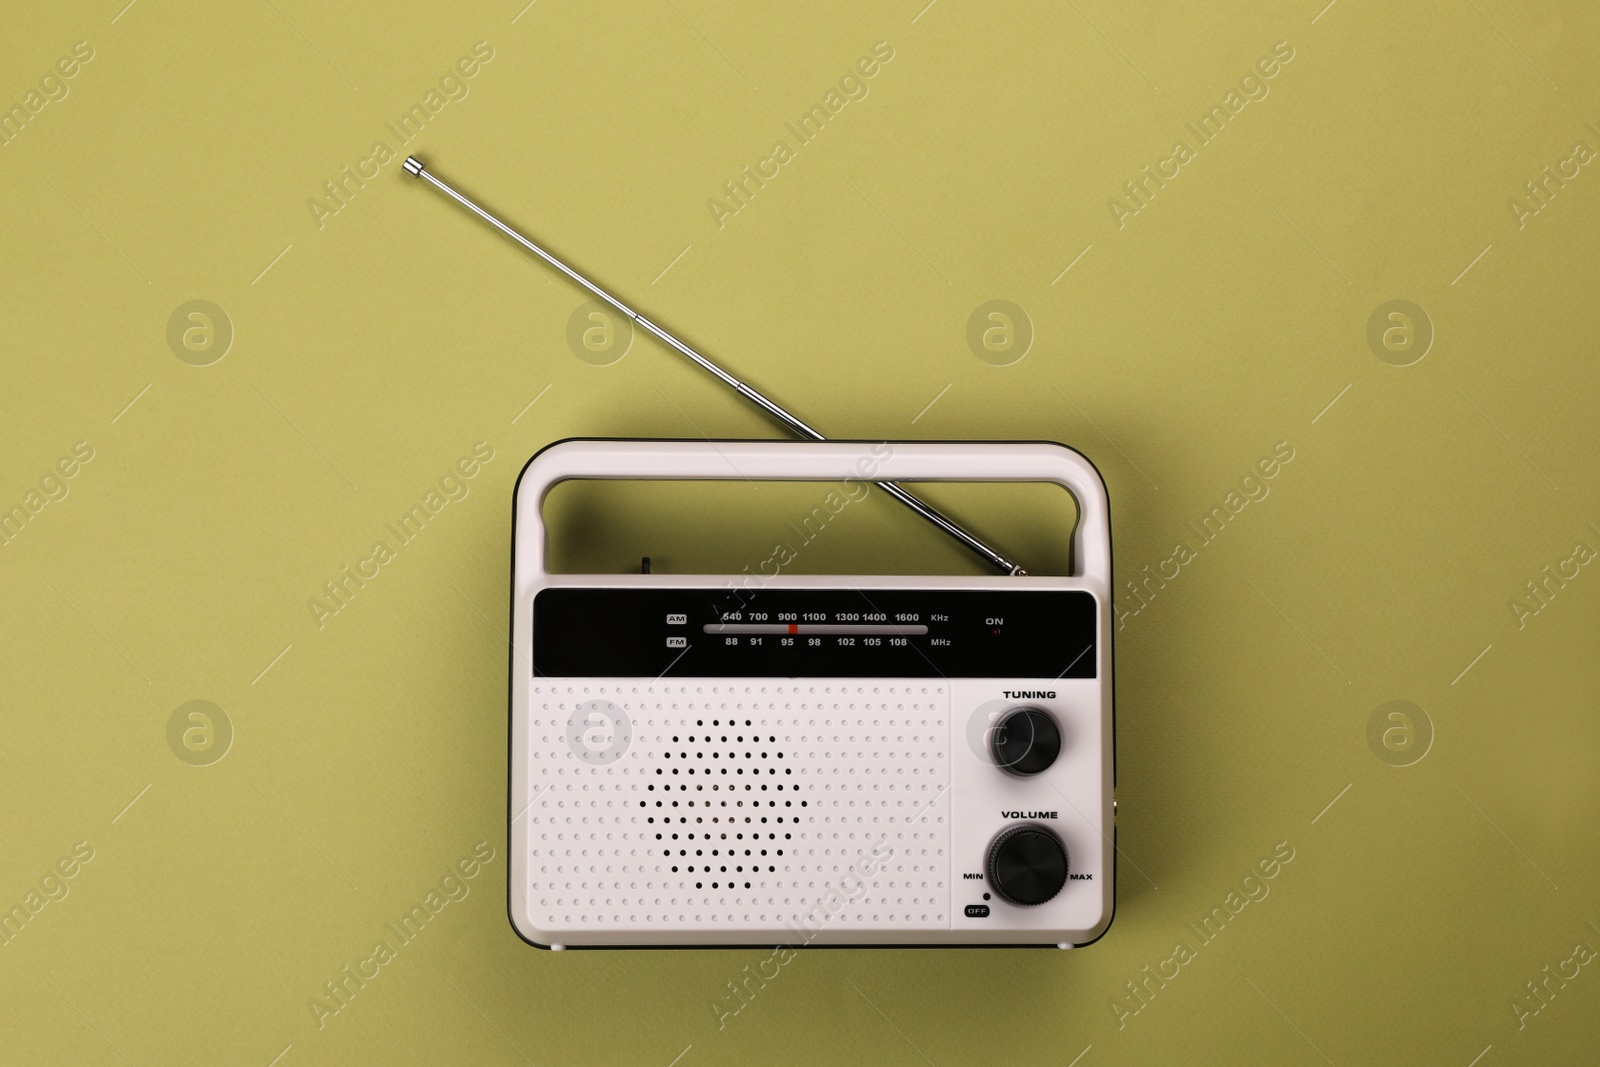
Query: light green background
pixel 373 351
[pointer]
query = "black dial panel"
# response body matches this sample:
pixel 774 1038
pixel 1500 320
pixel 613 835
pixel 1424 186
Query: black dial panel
pixel 800 633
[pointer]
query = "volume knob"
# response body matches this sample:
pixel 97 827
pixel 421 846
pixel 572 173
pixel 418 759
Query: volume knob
pixel 1027 864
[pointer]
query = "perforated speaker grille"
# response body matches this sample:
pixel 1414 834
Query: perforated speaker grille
pixel 742 806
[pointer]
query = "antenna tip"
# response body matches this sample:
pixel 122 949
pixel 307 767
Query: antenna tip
pixel 412 166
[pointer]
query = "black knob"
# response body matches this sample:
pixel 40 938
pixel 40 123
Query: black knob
pixel 1025 741
pixel 1027 864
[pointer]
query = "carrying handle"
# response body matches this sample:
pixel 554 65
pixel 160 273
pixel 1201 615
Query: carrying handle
pixel 863 461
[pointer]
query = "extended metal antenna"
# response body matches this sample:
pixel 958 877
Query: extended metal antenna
pixel 414 167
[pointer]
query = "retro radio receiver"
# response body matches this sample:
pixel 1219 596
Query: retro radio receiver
pixel 810 760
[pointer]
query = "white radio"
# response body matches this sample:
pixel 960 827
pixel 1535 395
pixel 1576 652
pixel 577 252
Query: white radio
pixel 831 760
pixel 823 759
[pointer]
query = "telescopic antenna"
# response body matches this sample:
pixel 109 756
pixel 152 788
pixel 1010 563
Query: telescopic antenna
pixel 414 167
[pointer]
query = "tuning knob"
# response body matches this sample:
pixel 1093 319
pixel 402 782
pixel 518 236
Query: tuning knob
pixel 1027 864
pixel 1025 741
